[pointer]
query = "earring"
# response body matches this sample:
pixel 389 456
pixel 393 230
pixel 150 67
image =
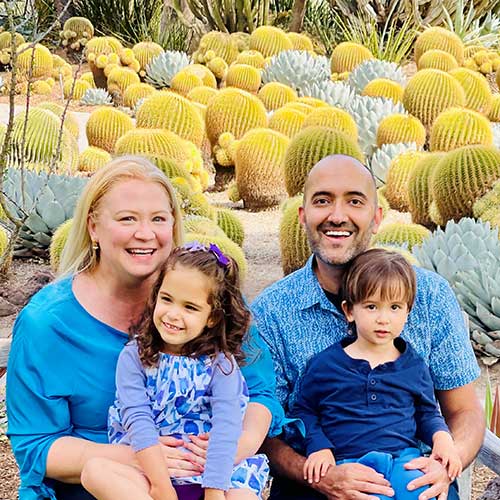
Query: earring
pixel 95 246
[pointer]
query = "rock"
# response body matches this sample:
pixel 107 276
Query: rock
pixel 492 491
pixel 6 308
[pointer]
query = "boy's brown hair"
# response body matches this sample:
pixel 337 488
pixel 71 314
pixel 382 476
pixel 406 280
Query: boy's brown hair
pixel 379 271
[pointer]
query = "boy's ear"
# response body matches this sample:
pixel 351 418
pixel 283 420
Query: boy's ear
pixel 347 311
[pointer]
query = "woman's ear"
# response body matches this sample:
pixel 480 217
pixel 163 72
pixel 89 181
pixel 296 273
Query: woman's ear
pixel 347 311
pixel 91 227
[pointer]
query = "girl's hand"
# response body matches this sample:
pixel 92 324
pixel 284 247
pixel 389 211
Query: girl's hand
pixel 317 464
pixel 180 463
pixel 444 451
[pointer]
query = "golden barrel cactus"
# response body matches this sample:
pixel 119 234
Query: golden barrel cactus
pixel 252 57
pixel 184 81
pixel 70 121
pixel 202 95
pixel 207 77
pixel 294 247
pixel 79 87
pixel 243 76
pixel 120 78
pixel 347 55
pixel 437 59
pixel 300 41
pixel 477 89
pixel 398 128
pixel 105 126
pixel 172 112
pixel 441 39
pixel 401 234
pixel 494 114
pixel 221 44
pixel 236 111
pixel 274 95
pixel 383 87
pixel 287 121
pixel 269 41
pixel 461 177
pixel 145 52
pixel 259 168
pixel 431 91
pixel 456 127
pixel 335 118
pixel 42 60
pixel 308 147
pixel 135 92
pixel 419 188
pixel 92 159
pixel 57 243
pixel 396 183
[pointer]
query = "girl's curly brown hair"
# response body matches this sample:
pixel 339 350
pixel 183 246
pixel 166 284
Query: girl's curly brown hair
pixel 230 315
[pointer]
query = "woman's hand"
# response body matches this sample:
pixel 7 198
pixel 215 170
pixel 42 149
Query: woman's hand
pixel 182 463
pixel 162 491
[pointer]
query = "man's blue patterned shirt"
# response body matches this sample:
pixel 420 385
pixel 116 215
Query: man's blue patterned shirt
pixel 296 320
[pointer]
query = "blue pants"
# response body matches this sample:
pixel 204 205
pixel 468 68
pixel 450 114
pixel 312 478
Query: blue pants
pixel 393 470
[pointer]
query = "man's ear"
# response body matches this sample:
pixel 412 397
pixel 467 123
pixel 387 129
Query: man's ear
pixel 377 219
pixel 302 216
pixel 347 312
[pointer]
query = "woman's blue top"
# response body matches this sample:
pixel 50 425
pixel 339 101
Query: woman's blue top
pixel 61 380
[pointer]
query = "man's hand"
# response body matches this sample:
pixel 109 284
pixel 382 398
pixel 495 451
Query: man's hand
pixel 317 464
pixel 353 481
pixel 435 475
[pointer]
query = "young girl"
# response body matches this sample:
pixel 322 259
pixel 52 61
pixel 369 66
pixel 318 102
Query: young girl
pixel 179 377
pixel 370 398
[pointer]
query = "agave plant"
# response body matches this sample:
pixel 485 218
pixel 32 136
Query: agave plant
pixel 96 97
pixel 162 68
pixel 333 93
pixel 374 68
pixel 367 113
pixel 48 200
pixel 297 69
pixel 467 254
pixel 495 128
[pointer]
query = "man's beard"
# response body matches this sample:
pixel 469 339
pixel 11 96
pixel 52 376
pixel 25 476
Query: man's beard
pixel 358 246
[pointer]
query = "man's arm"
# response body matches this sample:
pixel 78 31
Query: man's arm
pixel 341 482
pixel 465 418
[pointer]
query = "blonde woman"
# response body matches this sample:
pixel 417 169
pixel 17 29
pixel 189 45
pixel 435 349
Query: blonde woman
pixel 61 372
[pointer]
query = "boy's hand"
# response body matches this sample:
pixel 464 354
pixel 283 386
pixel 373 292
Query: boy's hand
pixel 445 452
pixel 317 464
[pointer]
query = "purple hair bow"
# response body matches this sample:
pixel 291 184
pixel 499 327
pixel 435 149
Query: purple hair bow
pixel 196 246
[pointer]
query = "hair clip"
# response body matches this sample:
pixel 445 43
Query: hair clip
pixel 196 246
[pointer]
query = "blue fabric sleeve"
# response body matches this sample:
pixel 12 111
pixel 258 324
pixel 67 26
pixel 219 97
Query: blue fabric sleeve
pixel 269 331
pixel 226 387
pixel 137 418
pixel 449 335
pixel 37 404
pixel 259 376
pixel 306 408
pixel 427 415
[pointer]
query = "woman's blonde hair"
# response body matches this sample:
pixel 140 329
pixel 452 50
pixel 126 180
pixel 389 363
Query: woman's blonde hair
pixel 78 255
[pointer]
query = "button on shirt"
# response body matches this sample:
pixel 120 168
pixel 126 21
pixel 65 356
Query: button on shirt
pixel 353 409
pixel 296 320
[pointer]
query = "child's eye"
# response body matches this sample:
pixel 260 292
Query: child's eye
pixel 166 299
pixel 127 218
pixel 395 307
pixel 192 308
pixel 370 307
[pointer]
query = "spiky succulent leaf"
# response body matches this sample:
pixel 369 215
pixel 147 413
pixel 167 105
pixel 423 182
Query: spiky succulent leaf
pixel 96 97
pixel 333 93
pixel 160 71
pixel 48 199
pixel 297 69
pixel 382 158
pixel 372 69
